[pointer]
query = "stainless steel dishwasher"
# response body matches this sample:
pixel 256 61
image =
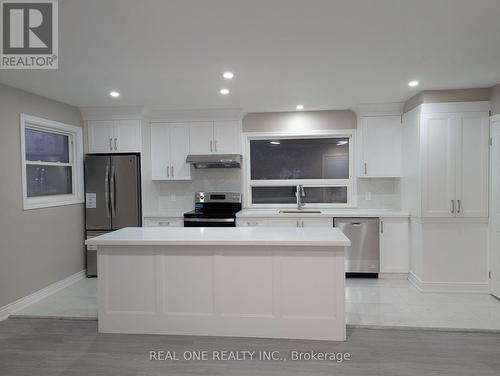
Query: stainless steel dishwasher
pixel 362 257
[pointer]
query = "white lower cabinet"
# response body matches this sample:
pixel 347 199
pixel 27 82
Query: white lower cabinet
pixel 163 222
pixel 394 244
pixel 284 222
pixel 317 222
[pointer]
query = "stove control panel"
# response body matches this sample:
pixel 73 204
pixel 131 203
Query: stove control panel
pixel 218 197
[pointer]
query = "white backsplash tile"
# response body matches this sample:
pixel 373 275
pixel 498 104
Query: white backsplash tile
pixel 385 193
pixel 179 195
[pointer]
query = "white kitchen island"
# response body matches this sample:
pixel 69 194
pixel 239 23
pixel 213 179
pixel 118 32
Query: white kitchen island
pixel 216 281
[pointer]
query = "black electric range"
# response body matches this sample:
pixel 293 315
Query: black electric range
pixel 214 209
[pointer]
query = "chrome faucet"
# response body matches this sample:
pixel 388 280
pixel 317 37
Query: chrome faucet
pixel 299 194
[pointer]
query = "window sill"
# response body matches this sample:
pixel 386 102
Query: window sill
pixel 40 204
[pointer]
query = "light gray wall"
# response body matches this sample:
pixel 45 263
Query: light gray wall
pixel 41 246
pixel 495 100
pixel 447 96
pixel 299 121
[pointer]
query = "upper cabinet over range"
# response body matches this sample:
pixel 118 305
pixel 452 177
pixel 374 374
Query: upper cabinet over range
pixel 172 142
pixel 214 137
pixel 114 136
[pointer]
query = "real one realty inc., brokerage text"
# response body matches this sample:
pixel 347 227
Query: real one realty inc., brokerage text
pixel 247 355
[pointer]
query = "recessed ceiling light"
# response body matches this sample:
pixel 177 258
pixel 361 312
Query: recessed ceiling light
pixel 224 91
pixel 413 83
pixel 114 94
pixel 275 142
pixel 228 75
pixel 342 142
pixel 299 107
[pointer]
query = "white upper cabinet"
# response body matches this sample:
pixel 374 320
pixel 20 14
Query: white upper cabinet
pixel 201 137
pixel 114 136
pixel 380 154
pixel 438 165
pixel 454 160
pixel 219 137
pixel 128 135
pixel 472 165
pixel 169 149
pixel 227 137
pixel 100 136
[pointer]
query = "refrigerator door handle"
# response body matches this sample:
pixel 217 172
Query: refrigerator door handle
pixel 113 191
pixel 106 191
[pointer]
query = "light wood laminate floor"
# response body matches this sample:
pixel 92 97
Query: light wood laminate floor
pixel 50 347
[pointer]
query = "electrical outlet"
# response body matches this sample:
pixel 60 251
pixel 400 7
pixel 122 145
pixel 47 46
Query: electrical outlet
pixel 368 196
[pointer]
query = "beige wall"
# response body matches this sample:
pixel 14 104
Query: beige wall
pixel 447 96
pixel 299 121
pixel 41 246
pixel 495 100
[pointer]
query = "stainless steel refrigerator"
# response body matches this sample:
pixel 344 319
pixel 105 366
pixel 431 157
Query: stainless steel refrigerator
pixel 112 197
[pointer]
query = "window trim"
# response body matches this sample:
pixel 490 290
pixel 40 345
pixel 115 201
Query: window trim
pixel 75 135
pixel 337 133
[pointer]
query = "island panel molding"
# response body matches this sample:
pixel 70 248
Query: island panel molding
pixel 260 290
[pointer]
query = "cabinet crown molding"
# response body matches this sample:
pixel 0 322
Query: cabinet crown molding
pixel 113 113
pixel 379 109
pixel 455 107
pixel 165 115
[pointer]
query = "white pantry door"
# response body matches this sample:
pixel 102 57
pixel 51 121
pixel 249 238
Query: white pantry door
pixel 495 210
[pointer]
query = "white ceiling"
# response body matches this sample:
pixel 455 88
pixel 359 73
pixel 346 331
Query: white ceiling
pixel 325 54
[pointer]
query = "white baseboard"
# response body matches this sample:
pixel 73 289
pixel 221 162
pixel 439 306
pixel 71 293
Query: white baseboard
pixel 19 304
pixel 391 275
pixel 455 287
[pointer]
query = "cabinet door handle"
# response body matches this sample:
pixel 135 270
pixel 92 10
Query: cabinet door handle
pixel 459 206
pixel 215 145
pixel 115 144
pixel 164 223
pixel 211 146
pixel 110 144
pixel 366 168
pixel 168 171
pixel 381 227
pixel 172 170
pixel 452 206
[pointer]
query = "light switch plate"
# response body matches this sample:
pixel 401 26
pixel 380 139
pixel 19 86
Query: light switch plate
pixel 368 196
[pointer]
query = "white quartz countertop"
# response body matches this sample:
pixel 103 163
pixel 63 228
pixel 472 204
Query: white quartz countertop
pixel 259 236
pixel 275 213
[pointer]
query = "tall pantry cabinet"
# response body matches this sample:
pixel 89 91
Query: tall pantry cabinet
pixel 445 189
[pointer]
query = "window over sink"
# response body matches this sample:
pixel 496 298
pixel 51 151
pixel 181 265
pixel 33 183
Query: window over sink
pixel 321 163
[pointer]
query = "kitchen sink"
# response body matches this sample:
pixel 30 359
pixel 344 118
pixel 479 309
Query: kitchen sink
pixel 304 211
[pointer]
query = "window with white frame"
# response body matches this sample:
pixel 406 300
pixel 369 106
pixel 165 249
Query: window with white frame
pixel 52 163
pixel 277 164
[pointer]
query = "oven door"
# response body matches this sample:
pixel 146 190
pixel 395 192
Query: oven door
pixel 209 222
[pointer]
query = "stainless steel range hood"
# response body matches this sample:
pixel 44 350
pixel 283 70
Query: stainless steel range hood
pixel 214 160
